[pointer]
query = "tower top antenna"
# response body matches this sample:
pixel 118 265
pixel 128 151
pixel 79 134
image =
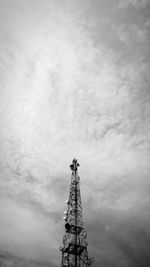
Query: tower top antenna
pixel 74 166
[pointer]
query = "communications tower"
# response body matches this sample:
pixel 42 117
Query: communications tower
pixel 74 250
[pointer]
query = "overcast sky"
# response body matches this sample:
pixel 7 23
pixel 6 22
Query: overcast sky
pixel 75 82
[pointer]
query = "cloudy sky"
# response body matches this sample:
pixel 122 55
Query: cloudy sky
pixel 74 82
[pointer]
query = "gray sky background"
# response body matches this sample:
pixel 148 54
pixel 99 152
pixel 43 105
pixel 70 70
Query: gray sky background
pixel 74 81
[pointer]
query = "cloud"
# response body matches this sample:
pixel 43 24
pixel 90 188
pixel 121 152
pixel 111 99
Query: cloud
pixel 130 34
pixel 64 95
pixel 121 236
pixel 135 3
pixel 8 259
pixel 25 231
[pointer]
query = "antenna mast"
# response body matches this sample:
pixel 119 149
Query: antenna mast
pixel 74 250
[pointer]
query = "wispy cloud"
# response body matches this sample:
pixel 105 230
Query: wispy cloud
pixel 130 34
pixel 65 94
pixel 135 3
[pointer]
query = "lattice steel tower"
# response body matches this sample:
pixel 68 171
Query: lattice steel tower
pixel 74 250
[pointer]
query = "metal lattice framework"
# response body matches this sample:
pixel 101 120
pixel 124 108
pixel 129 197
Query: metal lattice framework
pixel 74 250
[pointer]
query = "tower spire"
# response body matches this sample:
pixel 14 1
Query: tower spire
pixel 74 250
